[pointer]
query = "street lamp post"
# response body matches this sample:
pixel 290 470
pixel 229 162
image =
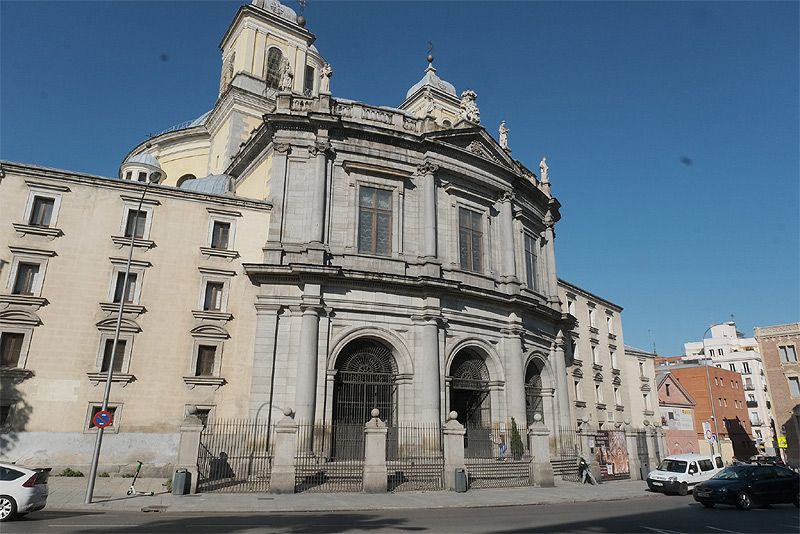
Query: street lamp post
pixel 153 177
pixel 710 396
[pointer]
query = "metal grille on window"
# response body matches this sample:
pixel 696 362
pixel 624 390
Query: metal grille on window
pixel 533 392
pixel 375 221
pixel 274 57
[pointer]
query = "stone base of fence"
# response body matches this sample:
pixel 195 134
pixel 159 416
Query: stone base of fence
pixel 539 443
pixel 189 447
pixel 282 478
pixel 453 433
pixel 376 476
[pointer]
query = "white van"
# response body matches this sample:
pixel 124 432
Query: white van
pixel 682 472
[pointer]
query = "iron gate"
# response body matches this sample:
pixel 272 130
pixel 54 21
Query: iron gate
pixel 641 451
pixel 415 457
pixel 569 450
pixel 235 456
pixel 496 457
pixel 317 469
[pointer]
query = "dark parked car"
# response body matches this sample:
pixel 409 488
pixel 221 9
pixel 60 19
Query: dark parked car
pixel 747 485
pixel 766 460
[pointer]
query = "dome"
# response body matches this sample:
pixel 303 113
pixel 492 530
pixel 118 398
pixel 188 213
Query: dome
pixel 215 184
pixel 274 6
pixel 432 80
pixel 145 158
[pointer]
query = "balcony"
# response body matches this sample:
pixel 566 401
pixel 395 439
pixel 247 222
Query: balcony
pixel 752 404
pixel 756 422
pixel 749 387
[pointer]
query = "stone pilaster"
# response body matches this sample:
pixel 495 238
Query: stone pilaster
pixel 306 384
pixel 429 246
pixel 508 263
pixel 375 472
pixel 552 277
pixel 633 456
pixel 559 365
pixel 263 358
pixel 515 374
pixel 316 224
pixel 272 253
pixel 426 369
pixel 539 444
pixel 282 476
pixel 189 448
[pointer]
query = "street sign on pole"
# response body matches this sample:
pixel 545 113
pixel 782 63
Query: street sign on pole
pixel 102 419
pixel 782 442
pixel 707 433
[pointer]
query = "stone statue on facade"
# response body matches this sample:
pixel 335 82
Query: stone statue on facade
pixel 503 131
pixel 430 106
pixel 287 76
pixel 543 171
pixel 469 109
pixel 325 79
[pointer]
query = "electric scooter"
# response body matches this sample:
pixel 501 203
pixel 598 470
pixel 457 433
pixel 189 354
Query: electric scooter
pixel 132 489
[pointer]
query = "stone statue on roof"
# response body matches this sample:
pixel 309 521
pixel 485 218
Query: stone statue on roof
pixel 503 135
pixel 287 76
pixel 469 109
pixel 325 78
pixel 543 171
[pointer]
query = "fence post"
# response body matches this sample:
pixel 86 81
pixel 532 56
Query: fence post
pixel 652 454
pixel 453 450
pixel 633 455
pixel 282 478
pixel 375 472
pixel 541 470
pixel 189 446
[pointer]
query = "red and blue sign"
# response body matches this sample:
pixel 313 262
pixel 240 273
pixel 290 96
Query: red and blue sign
pixel 102 419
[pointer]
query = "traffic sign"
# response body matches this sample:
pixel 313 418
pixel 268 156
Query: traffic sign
pixel 102 419
pixel 782 442
pixel 707 433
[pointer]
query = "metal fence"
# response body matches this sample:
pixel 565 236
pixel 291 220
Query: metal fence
pixel 235 456
pixel 321 467
pixel 496 457
pixel 565 463
pixel 415 457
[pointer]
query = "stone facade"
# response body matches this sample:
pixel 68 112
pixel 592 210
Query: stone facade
pixel 779 347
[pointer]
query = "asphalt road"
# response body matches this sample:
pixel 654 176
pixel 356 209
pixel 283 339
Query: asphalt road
pixel 667 515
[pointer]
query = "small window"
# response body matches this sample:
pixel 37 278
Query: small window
pixel 220 235
pixel 666 386
pixel 26 278
pixel 119 356
pixel 213 296
pixel 794 386
pixel 374 221
pixel 617 397
pixel 787 353
pixel 135 223
pixel 531 260
pixel 274 61
pixel 595 358
pixel 308 82
pixel 129 292
pixel 716 381
pixel 614 360
pixel 571 307
pixel 718 462
pixel 732 366
pixel 10 348
pixel 610 324
pixel 129 175
pixel 646 399
pixel 206 355
pixel 97 408
pixel 42 211
pixel 142 176
pixel 592 317
pixel 641 369
pixel 745 367
pixel 598 393
pixel 578 394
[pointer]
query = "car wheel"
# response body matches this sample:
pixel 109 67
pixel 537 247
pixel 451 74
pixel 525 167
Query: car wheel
pixel 743 501
pixel 708 504
pixel 683 489
pixel 8 508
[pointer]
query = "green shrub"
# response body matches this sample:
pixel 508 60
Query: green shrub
pixel 69 472
pixel 517 448
pixel 104 475
pixel 168 484
pixel 126 475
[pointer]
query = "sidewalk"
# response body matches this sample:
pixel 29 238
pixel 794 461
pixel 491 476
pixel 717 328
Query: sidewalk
pixel 68 494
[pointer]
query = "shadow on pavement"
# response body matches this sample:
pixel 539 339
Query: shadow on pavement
pixel 44 515
pixel 299 523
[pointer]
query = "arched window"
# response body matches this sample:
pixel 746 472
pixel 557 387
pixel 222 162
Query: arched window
pixel 185 178
pixel 273 77
pixel 533 392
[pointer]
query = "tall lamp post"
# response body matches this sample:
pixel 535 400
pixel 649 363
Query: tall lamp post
pixel 153 177
pixel 710 396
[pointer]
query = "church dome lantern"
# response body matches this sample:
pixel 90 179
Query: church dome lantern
pixel 142 167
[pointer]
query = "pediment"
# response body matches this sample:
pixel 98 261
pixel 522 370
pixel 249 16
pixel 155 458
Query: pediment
pixel 680 396
pixel 209 331
pixel 15 316
pixel 127 325
pixel 476 141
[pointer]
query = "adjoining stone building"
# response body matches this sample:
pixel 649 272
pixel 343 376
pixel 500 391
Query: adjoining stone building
pixel 778 346
pixel 299 251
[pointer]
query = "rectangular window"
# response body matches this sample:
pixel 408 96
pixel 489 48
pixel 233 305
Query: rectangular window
pixel 788 354
pixel 745 367
pixel 716 381
pixel 206 354
pixel 732 366
pixel 574 345
pixel 641 369
pixel 135 223
pixel 667 388
pixel 719 400
pixel 10 348
pixel 531 246
pixel 732 385
pixel 595 357
pixel 598 393
pixel 308 82
pixel 374 221
pixel 646 399
pixel 470 240
pixel 614 360
pixel 220 234
pixel 610 324
pixel 592 317
pixel 213 297
pixel 617 397
pixel 128 175
pixel 130 291
pixel 725 402
pixel 42 211
pixel 578 394
pixel 26 278
pixel 119 356
pixel 571 307
pixel 794 386
pixel 142 176
pixel 112 409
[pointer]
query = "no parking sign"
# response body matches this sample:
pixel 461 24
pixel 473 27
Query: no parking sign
pixel 102 419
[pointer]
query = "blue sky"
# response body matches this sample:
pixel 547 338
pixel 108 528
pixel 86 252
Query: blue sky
pixel 670 128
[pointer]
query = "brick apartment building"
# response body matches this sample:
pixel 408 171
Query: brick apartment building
pixel 717 393
pixel 779 348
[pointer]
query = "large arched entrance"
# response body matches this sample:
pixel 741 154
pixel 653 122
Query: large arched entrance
pixel 470 398
pixel 365 379
pixel 534 400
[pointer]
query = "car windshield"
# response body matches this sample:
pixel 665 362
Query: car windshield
pixel 731 473
pixel 673 466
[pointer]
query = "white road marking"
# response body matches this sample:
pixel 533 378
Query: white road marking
pixel 663 531
pixel 723 530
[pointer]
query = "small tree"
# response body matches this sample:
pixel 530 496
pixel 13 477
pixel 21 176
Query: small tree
pixel 517 448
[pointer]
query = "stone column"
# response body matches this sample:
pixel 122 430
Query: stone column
pixel 306 384
pixel 559 365
pixel 189 447
pixel 541 469
pixel 552 278
pixel 428 201
pixel 375 472
pixel 633 455
pixel 515 375
pixel 316 224
pixel 507 263
pixel 263 354
pixel 282 477
pixel 426 369
pixel 453 450
pixel 272 253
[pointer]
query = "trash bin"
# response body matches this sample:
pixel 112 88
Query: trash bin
pixel 181 482
pixel 461 480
